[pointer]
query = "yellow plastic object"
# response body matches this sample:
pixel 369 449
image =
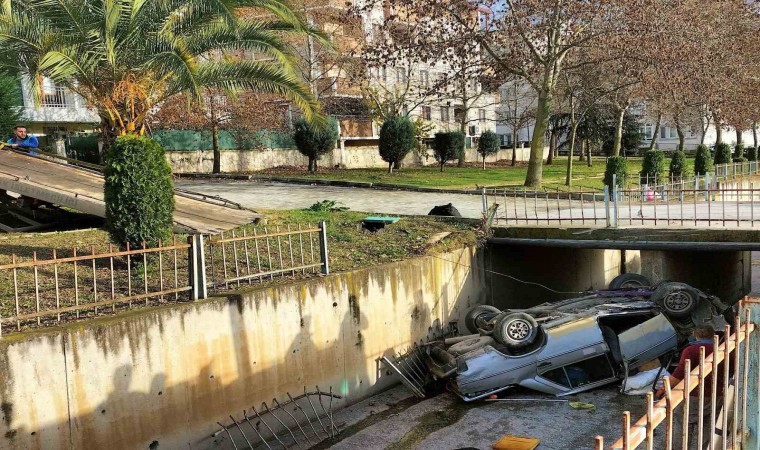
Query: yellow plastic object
pixel 516 443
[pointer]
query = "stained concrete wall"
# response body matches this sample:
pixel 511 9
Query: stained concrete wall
pixel 164 376
pixel 201 161
pixel 517 271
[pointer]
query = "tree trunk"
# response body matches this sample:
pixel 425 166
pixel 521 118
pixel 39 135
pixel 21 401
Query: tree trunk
pixel 390 167
pixel 587 147
pixel 463 129
pixel 552 147
pixel 108 136
pixel 681 137
pixel 618 132
pixel 484 161
pixel 739 139
pixel 581 156
pixel 442 166
pixel 754 133
pixel 535 165
pixel 569 173
pixel 215 147
pixel 397 165
pixel 718 132
pixel 514 146
pixel 312 164
pixel 656 134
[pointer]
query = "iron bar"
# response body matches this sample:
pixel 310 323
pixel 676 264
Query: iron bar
pixel 36 286
pixel 235 255
pixel 113 282
pixel 57 289
pixel 247 259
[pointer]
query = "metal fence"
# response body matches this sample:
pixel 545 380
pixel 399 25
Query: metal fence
pixel 35 290
pixel 703 207
pixel 67 286
pixel 720 419
pixel 721 172
pixel 261 255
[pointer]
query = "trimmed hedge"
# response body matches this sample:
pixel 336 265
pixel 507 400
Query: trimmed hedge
pixel 722 153
pixel 752 153
pixel 139 192
pixel 653 166
pixel 616 165
pixel 488 144
pixel 739 150
pixel 396 140
pixel 314 142
pixel 678 164
pixel 703 161
pixel 448 146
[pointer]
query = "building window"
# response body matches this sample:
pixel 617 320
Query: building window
pixel 459 115
pixel 663 132
pixel 646 131
pixel 384 73
pixel 427 113
pixel 53 96
pixel 444 113
pixel 425 79
pixel 482 115
pixel 673 133
pixel 401 75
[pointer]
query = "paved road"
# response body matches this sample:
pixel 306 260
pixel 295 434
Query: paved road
pixel 290 196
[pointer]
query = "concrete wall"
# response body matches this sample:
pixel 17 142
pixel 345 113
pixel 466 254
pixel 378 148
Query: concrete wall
pixel 164 376
pixel 726 274
pixel 201 161
pixel 562 269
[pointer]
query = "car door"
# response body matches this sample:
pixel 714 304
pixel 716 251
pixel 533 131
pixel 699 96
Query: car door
pixel 647 341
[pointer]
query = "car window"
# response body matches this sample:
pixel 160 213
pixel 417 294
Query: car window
pixel 583 372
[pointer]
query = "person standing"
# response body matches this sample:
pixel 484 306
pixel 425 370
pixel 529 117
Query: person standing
pixel 23 141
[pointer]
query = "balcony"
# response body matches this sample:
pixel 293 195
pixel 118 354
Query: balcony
pixel 58 105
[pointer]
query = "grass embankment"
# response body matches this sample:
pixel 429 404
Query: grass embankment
pixel 468 177
pixel 349 245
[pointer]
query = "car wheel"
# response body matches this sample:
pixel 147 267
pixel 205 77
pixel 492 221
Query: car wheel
pixel 468 345
pixel 630 281
pixel 475 317
pixel 678 300
pixel 516 330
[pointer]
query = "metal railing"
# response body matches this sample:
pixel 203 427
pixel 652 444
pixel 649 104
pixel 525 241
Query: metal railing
pixel 703 207
pixel 55 100
pixel 34 290
pixel 38 292
pixel 730 359
pixel 721 172
pixel 235 258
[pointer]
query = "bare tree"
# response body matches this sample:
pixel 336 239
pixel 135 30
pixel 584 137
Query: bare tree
pixel 517 109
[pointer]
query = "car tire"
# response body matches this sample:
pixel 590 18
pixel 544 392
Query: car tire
pixel 629 281
pixel 516 330
pixel 473 318
pixel 677 300
pixel 468 345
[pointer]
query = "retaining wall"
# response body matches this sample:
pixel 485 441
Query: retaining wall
pixel 161 378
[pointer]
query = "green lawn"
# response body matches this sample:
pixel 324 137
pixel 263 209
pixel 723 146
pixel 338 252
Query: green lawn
pixel 469 177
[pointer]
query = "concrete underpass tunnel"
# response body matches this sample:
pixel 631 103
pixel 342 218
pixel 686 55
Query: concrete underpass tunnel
pixel 522 276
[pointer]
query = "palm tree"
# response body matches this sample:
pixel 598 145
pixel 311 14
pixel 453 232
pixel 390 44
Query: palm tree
pixel 127 56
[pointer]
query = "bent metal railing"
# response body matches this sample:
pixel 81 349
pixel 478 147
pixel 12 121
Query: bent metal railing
pixel 36 291
pixel 731 359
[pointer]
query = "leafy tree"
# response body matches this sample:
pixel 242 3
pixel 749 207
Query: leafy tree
pixel 631 135
pixel 752 153
pixel 396 140
pixel 722 153
pixel 616 165
pixel 488 144
pixel 139 192
pixel 448 146
pixel 10 104
pixel 739 150
pixel 678 164
pixel 653 166
pixel 703 162
pixel 126 57
pixel 313 141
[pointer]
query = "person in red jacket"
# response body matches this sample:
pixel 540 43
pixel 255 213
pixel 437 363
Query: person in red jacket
pixel 704 338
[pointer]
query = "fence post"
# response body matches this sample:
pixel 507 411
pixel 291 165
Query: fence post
pixel 323 247
pixel 607 204
pixel 614 200
pixel 752 427
pixel 196 262
pixel 484 200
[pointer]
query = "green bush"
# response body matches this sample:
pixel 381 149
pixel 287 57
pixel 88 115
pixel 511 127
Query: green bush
pixel 738 150
pixel 616 165
pixel 752 153
pixel 314 142
pixel 722 153
pixel 488 144
pixel 396 140
pixel 740 159
pixel 703 161
pixel 139 192
pixel 653 166
pixel 10 104
pixel 448 146
pixel 678 164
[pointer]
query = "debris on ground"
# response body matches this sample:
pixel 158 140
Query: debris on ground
pixel 445 210
pixel 583 406
pixel 516 443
